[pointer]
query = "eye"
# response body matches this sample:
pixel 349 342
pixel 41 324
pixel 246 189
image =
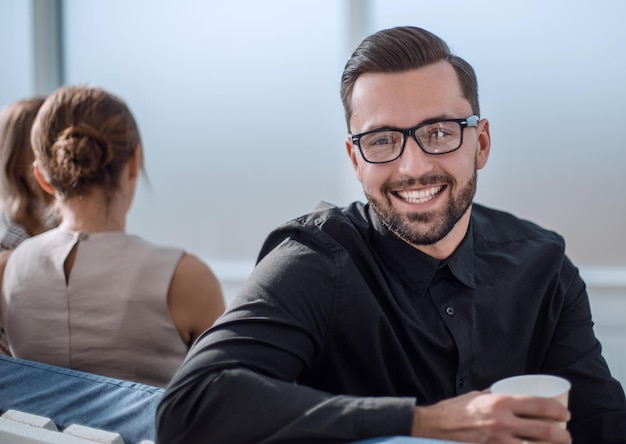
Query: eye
pixel 381 139
pixel 385 138
pixel 437 133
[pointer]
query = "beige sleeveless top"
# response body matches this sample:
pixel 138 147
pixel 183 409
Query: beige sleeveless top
pixel 111 318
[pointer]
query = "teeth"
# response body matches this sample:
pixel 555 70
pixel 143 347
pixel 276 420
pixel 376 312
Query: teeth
pixel 420 196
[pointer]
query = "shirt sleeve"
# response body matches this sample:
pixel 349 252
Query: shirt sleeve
pixel 599 414
pixel 239 382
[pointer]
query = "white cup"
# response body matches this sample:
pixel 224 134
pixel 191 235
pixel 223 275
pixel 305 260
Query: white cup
pixel 544 386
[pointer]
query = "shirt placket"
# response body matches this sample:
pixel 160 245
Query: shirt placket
pixel 454 309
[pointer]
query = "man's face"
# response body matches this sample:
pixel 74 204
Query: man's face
pixel 423 198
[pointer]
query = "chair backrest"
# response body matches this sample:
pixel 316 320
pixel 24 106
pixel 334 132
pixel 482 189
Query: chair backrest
pixel 72 397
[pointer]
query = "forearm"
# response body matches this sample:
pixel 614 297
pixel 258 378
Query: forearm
pixel 241 406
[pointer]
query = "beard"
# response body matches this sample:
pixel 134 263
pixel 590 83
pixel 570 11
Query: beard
pixel 429 227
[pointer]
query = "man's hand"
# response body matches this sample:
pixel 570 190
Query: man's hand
pixel 483 417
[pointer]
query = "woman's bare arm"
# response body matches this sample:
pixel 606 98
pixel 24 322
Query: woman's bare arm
pixel 195 298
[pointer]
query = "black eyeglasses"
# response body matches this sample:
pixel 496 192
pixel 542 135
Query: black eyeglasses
pixel 434 137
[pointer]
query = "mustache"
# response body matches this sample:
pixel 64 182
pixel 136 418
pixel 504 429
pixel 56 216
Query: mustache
pixel 409 182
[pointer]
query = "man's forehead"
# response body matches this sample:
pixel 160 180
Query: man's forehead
pixel 408 97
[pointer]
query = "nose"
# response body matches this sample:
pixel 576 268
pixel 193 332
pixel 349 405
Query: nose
pixel 414 161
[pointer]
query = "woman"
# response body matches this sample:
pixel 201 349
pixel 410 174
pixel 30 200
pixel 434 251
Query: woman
pixel 25 206
pixel 86 295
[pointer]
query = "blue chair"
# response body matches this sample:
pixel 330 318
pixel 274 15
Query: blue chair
pixel 72 397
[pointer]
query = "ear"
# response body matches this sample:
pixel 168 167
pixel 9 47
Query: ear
pixel 134 163
pixel 43 183
pixel 353 154
pixel 484 143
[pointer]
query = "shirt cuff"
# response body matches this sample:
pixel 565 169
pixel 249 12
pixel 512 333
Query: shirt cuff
pixel 387 416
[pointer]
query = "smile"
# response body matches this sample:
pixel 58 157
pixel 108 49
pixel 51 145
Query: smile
pixel 419 196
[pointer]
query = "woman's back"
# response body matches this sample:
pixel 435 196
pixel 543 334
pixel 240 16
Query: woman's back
pixel 110 317
pixel 103 301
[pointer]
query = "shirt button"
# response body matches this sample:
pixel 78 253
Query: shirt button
pixel 449 311
pixel 461 382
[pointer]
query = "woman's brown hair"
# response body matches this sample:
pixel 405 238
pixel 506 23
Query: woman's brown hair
pixel 82 138
pixel 23 199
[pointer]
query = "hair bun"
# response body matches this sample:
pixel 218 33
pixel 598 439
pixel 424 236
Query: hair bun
pixel 82 153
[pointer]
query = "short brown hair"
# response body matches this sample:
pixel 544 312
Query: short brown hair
pixel 402 49
pixel 82 138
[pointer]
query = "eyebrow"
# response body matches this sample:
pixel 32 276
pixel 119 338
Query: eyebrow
pixel 391 127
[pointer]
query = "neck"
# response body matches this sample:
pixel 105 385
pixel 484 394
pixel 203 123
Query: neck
pixel 92 213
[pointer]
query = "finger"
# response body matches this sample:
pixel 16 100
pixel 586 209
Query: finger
pixel 537 430
pixel 543 408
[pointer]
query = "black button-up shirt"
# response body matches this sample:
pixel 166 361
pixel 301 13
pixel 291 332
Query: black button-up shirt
pixel 343 328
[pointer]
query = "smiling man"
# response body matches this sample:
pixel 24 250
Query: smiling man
pixel 394 317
